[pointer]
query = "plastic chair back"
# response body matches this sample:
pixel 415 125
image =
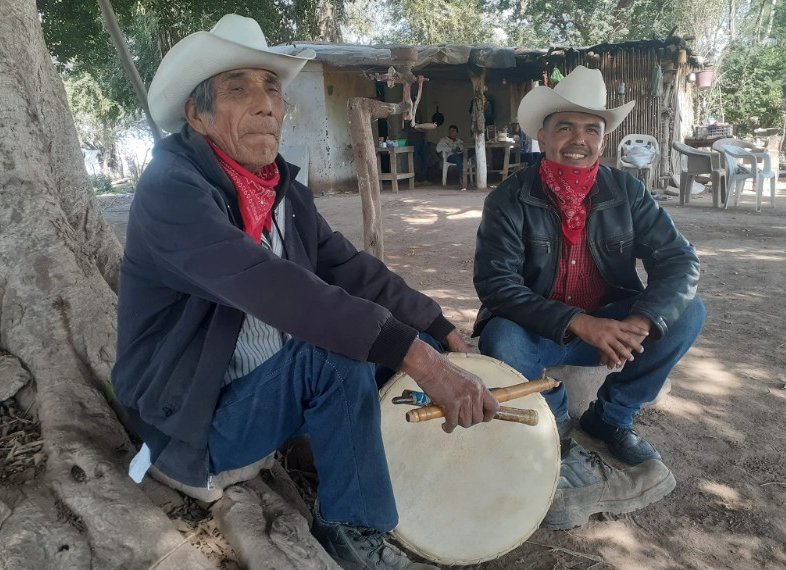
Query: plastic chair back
pixel 632 140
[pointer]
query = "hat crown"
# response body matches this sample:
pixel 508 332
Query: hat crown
pixel 583 87
pixel 240 30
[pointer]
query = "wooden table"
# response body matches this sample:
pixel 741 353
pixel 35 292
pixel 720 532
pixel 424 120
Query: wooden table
pixel 490 146
pixel 702 143
pixel 394 175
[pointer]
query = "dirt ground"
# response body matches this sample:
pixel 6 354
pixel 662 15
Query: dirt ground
pixel 720 429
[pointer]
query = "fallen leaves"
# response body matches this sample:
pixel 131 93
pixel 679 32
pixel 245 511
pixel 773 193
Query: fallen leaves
pixel 21 447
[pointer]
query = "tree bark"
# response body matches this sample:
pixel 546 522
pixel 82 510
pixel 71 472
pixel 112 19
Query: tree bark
pixel 59 271
pixel 479 127
pixel 361 112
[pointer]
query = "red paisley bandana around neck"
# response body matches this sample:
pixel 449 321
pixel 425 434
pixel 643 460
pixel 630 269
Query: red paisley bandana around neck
pixel 255 192
pixel 570 186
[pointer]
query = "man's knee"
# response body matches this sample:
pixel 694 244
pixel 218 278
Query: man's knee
pixel 692 320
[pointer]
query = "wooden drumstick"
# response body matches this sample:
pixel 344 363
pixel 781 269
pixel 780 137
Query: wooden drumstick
pixel 501 394
pixel 505 413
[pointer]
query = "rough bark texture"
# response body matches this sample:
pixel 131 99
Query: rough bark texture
pixel 361 112
pixel 479 127
pixel 59 264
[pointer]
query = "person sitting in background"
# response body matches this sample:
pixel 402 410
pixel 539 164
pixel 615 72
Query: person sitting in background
pixel 454 146
pixel 525 144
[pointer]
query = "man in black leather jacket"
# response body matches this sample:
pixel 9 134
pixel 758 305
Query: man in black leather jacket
pixel 555 271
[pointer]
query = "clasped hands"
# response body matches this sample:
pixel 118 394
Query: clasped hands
pixel 617 341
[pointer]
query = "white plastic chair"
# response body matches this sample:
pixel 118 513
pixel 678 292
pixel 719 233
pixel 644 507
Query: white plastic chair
pixel 646 171
pixel 741 164
pixel 469 166
pixel 695 162
pixel 445 166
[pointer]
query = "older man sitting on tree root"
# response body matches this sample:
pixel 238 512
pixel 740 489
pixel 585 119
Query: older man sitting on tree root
pixel 244 319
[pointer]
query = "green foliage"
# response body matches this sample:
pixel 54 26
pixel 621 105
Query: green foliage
pixel 750 85
pixel 102 183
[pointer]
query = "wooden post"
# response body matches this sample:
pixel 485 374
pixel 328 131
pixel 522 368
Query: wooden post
pixel 361 112
pixel 478 127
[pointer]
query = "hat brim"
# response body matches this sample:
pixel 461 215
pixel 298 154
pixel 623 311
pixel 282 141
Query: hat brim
pixel 200 56
pixel 543 101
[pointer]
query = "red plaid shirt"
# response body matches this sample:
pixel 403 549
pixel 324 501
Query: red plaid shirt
pixel 579 283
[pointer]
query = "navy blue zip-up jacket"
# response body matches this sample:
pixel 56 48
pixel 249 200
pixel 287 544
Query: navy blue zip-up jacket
pixel 190 274
pixel 519 243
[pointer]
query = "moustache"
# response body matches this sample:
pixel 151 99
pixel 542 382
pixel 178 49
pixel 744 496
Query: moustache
pixel 263 128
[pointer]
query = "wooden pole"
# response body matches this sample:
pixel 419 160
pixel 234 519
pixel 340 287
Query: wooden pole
pixel 362 112
pixel 479 127
pixel 128 65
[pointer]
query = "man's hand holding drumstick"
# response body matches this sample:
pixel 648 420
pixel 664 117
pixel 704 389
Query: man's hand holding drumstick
pixel 463 396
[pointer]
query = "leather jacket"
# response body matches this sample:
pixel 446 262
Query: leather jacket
pixel 520 239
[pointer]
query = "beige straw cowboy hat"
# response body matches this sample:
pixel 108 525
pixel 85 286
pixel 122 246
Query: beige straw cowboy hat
pixel 233 43
pixel 582 91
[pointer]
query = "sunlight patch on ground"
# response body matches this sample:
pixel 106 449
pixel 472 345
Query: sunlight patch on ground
pixel 625 549
pixel 426 220
pixel 724 493
pixel 682 407
pixel 762 257
pixel 708 375
pixel 468 215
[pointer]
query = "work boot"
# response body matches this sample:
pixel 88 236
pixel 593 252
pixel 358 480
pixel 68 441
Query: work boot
pixel 588 485
pixel 358 548
pixel 624 443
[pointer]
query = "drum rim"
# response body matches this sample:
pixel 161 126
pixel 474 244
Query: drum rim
pixel 438 558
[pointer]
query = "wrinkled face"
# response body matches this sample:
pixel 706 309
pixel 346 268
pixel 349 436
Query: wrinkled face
pixel 247 116
pixel 452 134
pixel 573 139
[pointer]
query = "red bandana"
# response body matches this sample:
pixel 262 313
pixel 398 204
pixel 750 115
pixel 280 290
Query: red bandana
pixel 255 192
pixel 569 186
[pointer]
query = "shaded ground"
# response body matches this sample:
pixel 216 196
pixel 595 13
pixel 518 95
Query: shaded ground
pixel 721 427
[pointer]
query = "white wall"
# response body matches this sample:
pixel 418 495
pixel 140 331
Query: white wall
pixel 318 119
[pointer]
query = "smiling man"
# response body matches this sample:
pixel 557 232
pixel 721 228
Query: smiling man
pixel 555 271
pixel 243 319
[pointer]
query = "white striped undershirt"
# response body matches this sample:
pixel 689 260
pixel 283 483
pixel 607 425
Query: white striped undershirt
pixel 258 341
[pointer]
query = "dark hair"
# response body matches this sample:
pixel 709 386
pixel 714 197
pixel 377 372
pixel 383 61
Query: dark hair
pixel 203 96
pixel 453 127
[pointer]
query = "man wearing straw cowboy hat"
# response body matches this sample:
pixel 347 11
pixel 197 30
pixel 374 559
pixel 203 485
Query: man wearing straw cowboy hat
pixel 555 271
pixel 243 319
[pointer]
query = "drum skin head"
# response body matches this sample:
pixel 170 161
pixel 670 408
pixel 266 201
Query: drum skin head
pixel 475 494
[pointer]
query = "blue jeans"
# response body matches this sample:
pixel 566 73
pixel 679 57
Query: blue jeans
pixel 458 160
pixel 420 158
pixel 624 392
pixel 332 398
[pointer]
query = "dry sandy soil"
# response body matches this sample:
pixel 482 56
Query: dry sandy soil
pixel 720 429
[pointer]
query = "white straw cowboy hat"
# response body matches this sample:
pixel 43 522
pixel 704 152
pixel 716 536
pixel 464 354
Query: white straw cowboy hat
pixel 233 43
pixel 582 91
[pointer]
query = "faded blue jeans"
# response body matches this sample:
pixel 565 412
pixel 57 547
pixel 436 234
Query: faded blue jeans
pixel 623 393
pixel 304 389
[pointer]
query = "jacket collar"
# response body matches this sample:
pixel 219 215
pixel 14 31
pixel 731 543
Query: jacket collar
pixel 193 147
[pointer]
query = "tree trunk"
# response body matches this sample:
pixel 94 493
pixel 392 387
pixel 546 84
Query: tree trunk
pixel 59 267
pixel 479 127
